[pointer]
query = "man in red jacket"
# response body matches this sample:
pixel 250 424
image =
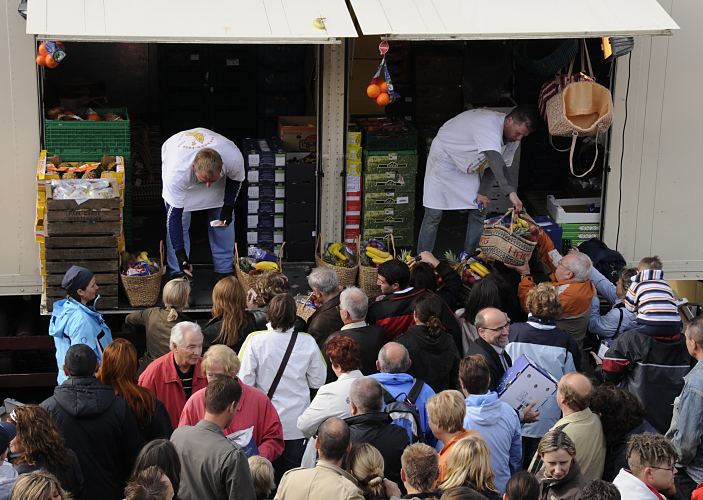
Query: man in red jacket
pixel 176 375
pixel 393 310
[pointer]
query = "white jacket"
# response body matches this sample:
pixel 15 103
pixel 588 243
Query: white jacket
pixel 631 488
pixel 261 356
pixel 330 401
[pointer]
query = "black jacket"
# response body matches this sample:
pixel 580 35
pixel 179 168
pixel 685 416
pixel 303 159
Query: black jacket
pixel 378 430
pixel 260 316
pixel 370 340
pixel 101 429
pixel 325 320
pixel 70 477
pixel 435 360
pixel 394 313
pixel 212 330
pixel 159 425
pixel 494 365
pixel 450 288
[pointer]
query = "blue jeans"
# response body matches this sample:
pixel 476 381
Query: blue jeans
pixel 221 244
pixel 430 224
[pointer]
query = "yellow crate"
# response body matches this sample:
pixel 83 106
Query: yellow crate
pixel 354 139
pixel 44 175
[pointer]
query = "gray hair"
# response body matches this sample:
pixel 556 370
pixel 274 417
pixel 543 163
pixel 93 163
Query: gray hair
pixel 580 265
pixel 179 329
pixel 393 362
pixel 367 395
pixel 323 280
pixel 355 302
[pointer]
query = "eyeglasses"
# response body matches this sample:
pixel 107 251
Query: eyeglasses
pixel 500 328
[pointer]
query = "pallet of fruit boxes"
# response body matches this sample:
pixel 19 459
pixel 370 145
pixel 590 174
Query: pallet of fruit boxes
pixel 79 222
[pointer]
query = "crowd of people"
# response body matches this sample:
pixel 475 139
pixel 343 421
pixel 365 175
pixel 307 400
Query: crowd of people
pixel 373 399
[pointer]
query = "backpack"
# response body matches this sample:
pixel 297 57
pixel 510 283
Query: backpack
pixel 608 262
pixel 404 413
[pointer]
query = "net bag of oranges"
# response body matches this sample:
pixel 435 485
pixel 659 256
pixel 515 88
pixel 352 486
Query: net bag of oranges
pixel 380 88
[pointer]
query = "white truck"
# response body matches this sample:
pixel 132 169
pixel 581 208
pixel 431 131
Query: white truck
pixel 655 178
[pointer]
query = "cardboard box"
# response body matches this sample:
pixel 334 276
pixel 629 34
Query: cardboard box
pixel 573 210
pixel 354 153
pixel 298 133
pixel 388 216
pixel 526 382
pixel 396 181
pixel 354 138
pixel 388 198
pixel 403 236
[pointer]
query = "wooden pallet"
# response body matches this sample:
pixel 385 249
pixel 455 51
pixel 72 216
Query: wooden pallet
pixel 97 253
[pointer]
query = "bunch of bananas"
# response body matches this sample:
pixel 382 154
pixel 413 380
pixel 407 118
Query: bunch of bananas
pixel 377 256
pixel 336 250
pixel 265 265
pixel 338 254
pixel 520 227
pixel 479 269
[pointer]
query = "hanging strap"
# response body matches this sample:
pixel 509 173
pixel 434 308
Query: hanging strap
pixel 415 390
pixel 284 362
pixel 574 136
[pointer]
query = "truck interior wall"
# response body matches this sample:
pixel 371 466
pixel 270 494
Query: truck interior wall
pixel 19 143
pixel 651 200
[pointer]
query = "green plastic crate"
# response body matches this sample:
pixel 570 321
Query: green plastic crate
pixel 87 140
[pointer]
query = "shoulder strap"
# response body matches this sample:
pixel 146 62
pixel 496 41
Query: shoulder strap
pixel 617 330
pixel 387 396
pixel 415 390
pixel 284 362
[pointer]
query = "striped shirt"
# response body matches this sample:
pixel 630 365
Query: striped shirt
pixel 652 299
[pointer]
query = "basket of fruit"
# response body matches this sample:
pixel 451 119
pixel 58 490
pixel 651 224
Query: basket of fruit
pixel 340 258
pixel 508 239
pixel 141 278
pixel 249 270
pixel 372 254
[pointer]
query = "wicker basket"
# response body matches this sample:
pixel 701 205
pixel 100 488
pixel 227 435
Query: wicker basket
pixel 304 311
pixel 499 243
pixel 345 275
pixel 143 291
pixel 368 276
pixel 248 281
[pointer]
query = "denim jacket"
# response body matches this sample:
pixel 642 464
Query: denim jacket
pixel 617 320
pixel 686 431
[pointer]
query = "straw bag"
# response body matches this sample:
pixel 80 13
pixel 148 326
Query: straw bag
pixel 368 276
pixel 345 275
pixel 499 243
pixel 304 311
pixel 143 291
pixel 582 108
pixel 249 281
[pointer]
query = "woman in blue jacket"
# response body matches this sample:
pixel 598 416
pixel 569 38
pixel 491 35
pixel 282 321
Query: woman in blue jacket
pixel 74 319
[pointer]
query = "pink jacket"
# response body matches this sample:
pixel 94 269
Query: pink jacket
pixel 254 410
pixel 160 377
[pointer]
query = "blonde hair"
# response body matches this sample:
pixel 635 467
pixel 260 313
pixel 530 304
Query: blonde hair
pixel 269 285
pixel 543 301
pixel 176 295
pixel 469 464
pixel 262 476
pixel 653 262
pixel 447 410
pixel 37 485
pixel 366 465
pixel 208 161
pixel 223 354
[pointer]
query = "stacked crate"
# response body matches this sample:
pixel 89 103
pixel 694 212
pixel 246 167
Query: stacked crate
pixel 352 188
pixel 389 179
pixel 300 205
pixel 265 161
pixel 84 234
pixel 579 219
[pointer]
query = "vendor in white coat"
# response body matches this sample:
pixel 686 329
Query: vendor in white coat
pixel 470 152
pixel 201 170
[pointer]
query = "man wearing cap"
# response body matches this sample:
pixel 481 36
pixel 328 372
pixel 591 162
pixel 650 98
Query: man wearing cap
pixel 8 475
pixel 95 423
pixel 201 170
pixel 74 319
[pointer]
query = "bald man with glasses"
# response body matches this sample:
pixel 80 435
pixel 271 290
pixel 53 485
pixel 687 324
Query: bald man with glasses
pixel 493 327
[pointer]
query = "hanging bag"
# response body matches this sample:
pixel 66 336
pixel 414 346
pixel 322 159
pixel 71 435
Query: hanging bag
pixel 582 108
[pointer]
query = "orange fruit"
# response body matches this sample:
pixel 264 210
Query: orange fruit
pixel 384 87
pixel 50 61
pixel 383 99
pixel 373 91
pixel 40 60
pixel 42 49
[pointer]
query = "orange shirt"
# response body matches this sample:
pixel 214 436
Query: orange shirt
pixel 446 451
